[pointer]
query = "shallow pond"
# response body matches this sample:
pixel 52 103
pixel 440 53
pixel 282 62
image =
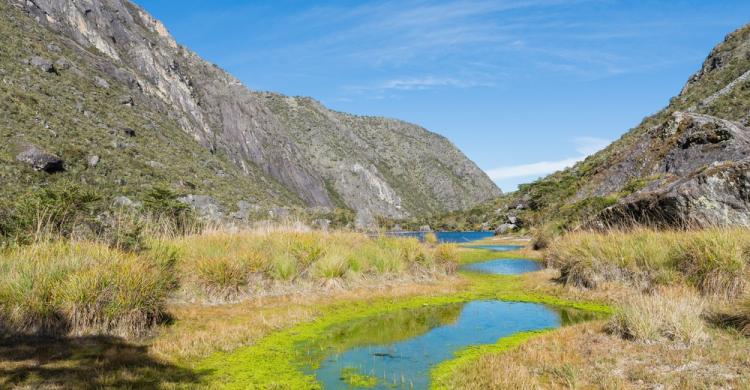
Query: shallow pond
pixel 397 350
pixel 505 266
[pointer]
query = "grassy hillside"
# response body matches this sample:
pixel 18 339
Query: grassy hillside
pixel 68 112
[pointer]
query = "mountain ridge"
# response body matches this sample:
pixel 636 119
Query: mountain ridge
pixel 127 48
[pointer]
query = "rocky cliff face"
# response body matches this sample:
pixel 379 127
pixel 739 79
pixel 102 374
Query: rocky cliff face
pixel 686 165
pixel 375 166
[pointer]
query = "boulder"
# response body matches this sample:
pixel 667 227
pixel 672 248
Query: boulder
pixel 155 164
pixel 278 213
pixel 41 160
pixel 205 206
pixel 93 161
pixel 425 228
pixel 101 83
pixel 322 224
pixel 42 63
pixel 505 228
pixel 244 210
pixel 127 100
pixel 124 201
pixel 62 64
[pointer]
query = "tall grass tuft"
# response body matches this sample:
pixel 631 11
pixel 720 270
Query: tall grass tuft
pixel 220 264
pixel 669 313
pixel 715 261
pixel 82 288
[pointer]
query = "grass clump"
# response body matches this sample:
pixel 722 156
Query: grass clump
pixel 353 377
pixel 668 314
pixel 82 288
pixel 715 261
pixel 223 265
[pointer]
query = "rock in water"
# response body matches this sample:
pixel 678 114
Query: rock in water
pixel 41 160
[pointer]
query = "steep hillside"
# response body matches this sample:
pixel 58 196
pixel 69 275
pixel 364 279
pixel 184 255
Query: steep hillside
pixel 197 128
pixel 404 166
pixel 61 98
pixel 686 165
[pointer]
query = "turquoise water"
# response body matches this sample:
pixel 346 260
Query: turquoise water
pixel 454 237
pixel 505 266
pixel 398 349
pixel 498 248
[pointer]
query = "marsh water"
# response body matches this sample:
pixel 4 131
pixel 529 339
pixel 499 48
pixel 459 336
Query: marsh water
pixel 398 349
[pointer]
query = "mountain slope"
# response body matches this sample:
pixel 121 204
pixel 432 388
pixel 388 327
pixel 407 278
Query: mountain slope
pixel 264 141
pixel 685 165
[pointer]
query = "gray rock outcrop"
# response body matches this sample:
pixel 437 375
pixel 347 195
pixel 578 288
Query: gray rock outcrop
pixel 41 160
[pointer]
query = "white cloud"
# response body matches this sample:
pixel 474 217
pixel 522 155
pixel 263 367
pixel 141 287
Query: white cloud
pixel 586 146
pixel 590 145
pixel 418 84
pixel 537 168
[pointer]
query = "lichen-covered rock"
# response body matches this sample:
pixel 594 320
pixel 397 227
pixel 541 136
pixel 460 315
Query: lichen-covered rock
pixel 41 160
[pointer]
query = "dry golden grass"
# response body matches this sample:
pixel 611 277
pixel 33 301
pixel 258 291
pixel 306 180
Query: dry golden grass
pixel 585 357
pixel 672 313
pixel 713 260
pixel 228 266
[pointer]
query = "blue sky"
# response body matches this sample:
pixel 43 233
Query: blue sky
pixel 523 87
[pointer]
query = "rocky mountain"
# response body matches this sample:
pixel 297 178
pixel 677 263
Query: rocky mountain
pixel 103 80
pixel 686 165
